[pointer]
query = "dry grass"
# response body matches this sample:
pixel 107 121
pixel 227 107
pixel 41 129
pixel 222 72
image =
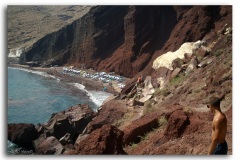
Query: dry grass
pixel 162 122
pixel 27 24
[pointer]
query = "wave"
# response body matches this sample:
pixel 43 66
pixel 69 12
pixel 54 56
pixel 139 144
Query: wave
pixel 98 97
pixel 41 73
pixel 14 149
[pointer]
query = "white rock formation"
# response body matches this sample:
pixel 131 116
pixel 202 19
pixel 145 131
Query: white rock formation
pixel 167 59
pixel 15 52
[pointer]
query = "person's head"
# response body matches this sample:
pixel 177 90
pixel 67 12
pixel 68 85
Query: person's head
pixel 214 103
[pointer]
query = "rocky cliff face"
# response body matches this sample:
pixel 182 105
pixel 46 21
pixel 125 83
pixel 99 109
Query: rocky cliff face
pixel 126 39
pixel 84 42
pixel 27 24
pixel 175 120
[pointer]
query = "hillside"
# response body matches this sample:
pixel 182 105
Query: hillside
pixel 184 54
pixel 112 38
pixel 27 24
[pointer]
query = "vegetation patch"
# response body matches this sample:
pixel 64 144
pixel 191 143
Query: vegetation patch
pixel 162 121
pixel 133 145
pixel 144 137
pixel 198 90
pixel 165 92
pixel 148 107
pixel 218 52
pixel 187 111
pixel 178 79
pixel 127 117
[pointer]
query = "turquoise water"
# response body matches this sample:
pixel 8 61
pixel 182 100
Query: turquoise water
pixel 33 98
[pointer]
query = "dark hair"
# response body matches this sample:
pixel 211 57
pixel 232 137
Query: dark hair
pixel 215 101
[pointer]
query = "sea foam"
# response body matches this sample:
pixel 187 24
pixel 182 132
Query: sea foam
pixel 98 97
pixel 41 73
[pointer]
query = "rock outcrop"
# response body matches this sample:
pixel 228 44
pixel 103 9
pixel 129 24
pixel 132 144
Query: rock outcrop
pixel 140 127
pixel 57 135
pixel 183 53
pixel 68 124
pixel 177 123
pixel 22 134
pixel 50 145
pixel 109 113
pixel 105 140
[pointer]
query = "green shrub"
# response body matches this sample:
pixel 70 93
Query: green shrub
pixel 178 79
pixel 144 137
pixel 162 121
pixel 165 92
pixel 133 145
pixel 218 52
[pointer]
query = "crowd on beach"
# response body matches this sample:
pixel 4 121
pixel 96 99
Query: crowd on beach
pixel 103 77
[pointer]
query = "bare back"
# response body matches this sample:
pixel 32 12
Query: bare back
pixel 219 127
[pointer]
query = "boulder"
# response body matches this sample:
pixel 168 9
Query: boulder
pixel 50 145
pixel 177 123
pixel 58 126
pixel 175 73
pixel 192 65
pixel 202 52
pixel 22 134
pixel 69 149
pixel 66 139
pixel 205 62
pixel 164 76
pixel 71 122
pixel 79 140
pixel 110 112
pixel 137 103
pixel 80 116
pixel 139 127
pixel 148 89
pixel 39 128
pixel 185 51
pixel 144 99
pixel 148 82
pixel 105 140
pixel 129 86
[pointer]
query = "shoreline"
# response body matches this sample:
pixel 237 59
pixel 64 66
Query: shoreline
pixel 90 85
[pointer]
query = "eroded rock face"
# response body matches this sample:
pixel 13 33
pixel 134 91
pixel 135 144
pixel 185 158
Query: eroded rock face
pixel 85 41
pixel 114 38
pixel 105 140
pixel 22 134
pixel 110 38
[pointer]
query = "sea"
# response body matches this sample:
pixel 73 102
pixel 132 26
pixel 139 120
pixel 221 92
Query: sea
pixel 33 96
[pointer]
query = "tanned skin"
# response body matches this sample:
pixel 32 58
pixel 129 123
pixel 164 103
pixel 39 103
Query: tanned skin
pixel 219 127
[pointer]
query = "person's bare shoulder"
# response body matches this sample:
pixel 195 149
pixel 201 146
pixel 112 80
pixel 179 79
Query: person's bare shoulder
pixel 221 119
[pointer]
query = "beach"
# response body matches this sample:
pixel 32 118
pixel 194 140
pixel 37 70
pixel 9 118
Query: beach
pixel 89 83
